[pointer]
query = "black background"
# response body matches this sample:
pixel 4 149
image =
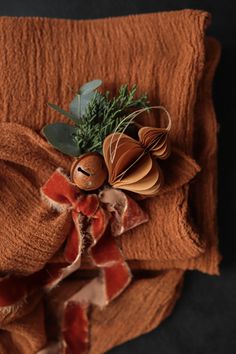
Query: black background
pixel 204 320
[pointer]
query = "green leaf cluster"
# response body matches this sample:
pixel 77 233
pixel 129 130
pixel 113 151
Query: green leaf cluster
pixel 95 115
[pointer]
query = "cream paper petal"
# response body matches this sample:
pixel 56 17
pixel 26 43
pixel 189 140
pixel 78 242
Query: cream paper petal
pixel 126 151
pixel 124 162
pixel 145 183
pixel 155 140
pixel 140 170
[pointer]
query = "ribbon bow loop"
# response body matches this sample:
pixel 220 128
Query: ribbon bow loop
pixel 96 218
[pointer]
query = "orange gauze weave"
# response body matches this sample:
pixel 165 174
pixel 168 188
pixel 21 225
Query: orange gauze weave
pixel 168 56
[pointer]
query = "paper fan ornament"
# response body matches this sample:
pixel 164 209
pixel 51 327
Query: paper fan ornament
pixel 132 164
pixel 156 141
pixel 131 168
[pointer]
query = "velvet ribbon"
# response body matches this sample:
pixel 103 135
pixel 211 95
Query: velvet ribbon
pixel 92 219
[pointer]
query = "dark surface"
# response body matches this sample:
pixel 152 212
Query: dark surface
pixel 204 320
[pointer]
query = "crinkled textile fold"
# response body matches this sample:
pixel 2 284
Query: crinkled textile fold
pixel 168 56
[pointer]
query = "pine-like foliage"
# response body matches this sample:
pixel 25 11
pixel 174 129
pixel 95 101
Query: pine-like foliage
pixel 95 116
pixel 104 115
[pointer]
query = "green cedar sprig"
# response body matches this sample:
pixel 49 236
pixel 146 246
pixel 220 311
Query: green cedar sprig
pixel 95 115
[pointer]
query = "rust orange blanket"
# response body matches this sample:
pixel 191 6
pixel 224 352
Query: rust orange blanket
pixel 168 56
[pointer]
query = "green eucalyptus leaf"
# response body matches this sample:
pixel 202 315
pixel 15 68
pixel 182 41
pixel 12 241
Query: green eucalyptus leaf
pixel 90 86
pixel 80 103
pixel 62 111
pixel 84 102
pixel 60 135
pixel 75 106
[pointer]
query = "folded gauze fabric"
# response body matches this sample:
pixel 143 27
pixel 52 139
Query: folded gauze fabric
pixel 168 56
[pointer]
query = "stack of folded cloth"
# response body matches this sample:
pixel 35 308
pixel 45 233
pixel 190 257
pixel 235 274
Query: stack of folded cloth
pixel 168 56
